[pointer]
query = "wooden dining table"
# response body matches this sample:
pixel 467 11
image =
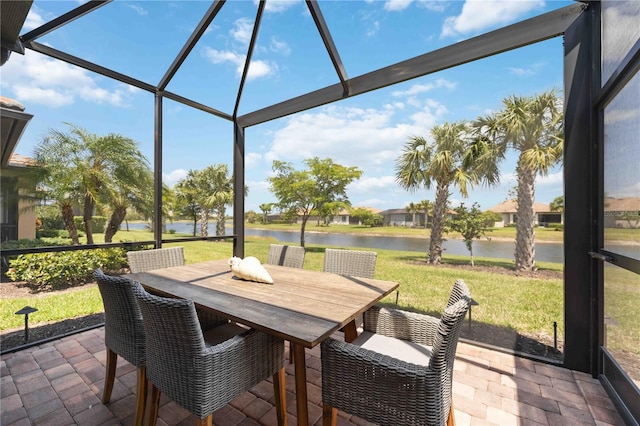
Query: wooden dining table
pixel 302 306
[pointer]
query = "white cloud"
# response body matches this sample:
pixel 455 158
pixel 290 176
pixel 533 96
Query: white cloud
pixel 258 187
pixel 416 89
pixel 526 72
pixel 252 159
pixel 279 46
pixel 260 68
pixel 396 5
pixel 552 179
pixel 242 30
pixel 374 185
pixel 478 15
pixel 38 79
pixel 375 27
pixel 257 68
pixel 138 9
pixel 276 6
pixel 433 5
pixel 170 179
pixel 34 20
pixel 366 138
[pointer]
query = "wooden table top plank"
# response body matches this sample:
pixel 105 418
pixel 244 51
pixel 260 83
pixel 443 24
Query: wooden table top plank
pixel 301 306
pixel 331 298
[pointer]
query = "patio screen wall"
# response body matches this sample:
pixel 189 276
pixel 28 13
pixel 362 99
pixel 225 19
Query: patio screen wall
pixel 618 208
pixel 598 322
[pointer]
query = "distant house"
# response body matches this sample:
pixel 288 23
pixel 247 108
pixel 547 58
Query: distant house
pixel 622 212
pixel 345 218
pixel 17 216
pixel 542 212
pixel 404 217
pixel 400 217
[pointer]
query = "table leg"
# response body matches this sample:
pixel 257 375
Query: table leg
pixel 301 384
pixel 350 332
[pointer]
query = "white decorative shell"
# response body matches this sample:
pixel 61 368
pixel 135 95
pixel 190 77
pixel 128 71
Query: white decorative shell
pixel 250 269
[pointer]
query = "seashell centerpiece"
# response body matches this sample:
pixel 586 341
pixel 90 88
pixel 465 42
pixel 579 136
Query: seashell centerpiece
pixel 249 269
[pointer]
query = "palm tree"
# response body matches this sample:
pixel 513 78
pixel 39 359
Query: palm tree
pixel 266 209
pixel 214 189
pixel 93 162
pixel 187 198
pixel 222 196
pixel 120 195
pixel 413 208
pixel 427 207
pixel 533 127
pixel 443 163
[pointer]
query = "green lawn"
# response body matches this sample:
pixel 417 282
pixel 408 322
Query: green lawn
pixel 533 304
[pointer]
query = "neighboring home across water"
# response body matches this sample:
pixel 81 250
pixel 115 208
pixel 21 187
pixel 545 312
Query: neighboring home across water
pixel 622 212
pixel 542 212
pixel 17 216
pixel 404 217
pixel 345 218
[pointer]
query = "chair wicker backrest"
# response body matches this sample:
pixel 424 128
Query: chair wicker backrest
pixel 291 256
pixel 201 378
pixel 123 326
pixel 389 391
pixel 353 263
pixel 459 289
pixel 148 260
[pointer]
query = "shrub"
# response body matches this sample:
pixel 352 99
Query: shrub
pixel 98 223
pixel 58 270
pixel 555 226
pixel 50 217
pixel 23 243
pixel 53 233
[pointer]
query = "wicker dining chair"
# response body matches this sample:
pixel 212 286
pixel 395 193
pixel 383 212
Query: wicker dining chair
pixel 355 263
pixel 204 372
pixel 283 255
pixel 148 260
pixel 123 335
pixel 399 371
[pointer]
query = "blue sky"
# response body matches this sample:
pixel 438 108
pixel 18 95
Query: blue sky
pixel 142 38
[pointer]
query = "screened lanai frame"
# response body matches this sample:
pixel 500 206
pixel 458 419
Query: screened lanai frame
pixel 577 23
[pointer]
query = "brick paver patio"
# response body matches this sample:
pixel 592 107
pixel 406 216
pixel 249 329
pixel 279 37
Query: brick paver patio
pixel 60 383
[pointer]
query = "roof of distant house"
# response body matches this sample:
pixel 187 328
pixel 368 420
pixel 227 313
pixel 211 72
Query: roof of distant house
pixel 622 204
pixel 371 209
pixel 510 206
pixel 17 160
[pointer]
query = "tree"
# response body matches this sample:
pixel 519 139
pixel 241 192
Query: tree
pixel 83 168
pixel 413 208
pixel 469 223
pixel 222 195
pixel 365 217
pixel 59 186
pixel 213 189
pixel 187 199
pixel 445 162
pixel 319 189
pixel 120 195
pixel 427 207
pixel 251 216
pixel 557 205
pixel 533 127
pixel 490 218
pixel 266 208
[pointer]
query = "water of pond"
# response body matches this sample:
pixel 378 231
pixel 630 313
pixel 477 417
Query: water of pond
pixel 545 252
